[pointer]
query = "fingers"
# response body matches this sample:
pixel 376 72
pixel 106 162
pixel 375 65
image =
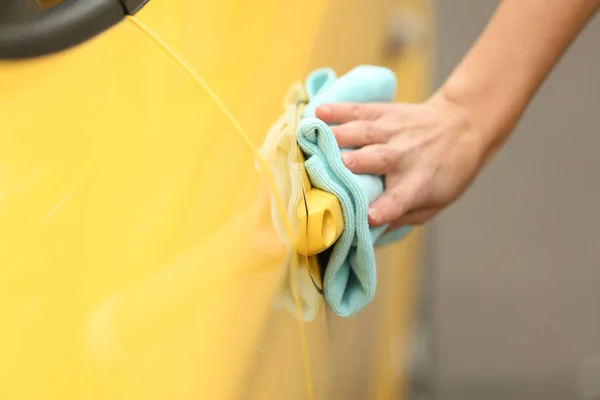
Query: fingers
pixel 340 113
pixel 375 159
pixel 360 133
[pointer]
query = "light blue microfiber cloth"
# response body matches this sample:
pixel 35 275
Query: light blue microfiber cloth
pixel 350 273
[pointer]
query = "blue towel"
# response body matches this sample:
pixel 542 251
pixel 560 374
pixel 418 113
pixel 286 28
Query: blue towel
pixel 350 274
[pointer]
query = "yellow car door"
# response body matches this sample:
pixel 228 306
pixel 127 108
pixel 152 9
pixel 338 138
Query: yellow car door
pixel 138 258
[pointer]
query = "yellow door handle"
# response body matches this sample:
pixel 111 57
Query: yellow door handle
pixel 323 224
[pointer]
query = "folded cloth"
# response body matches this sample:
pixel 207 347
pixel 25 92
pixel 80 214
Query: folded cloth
pixel 280 152
pixel 350 272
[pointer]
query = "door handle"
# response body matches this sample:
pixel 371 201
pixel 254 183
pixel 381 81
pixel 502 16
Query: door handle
pixel 31 31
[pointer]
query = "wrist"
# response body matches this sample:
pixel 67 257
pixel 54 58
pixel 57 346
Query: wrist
pixel 490 111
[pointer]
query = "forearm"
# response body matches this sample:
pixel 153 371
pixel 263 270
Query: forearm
pixel 501 73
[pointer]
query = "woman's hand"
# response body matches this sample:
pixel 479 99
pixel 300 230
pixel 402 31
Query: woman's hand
pixel 429 154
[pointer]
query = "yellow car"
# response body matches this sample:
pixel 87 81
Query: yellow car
pixel 138 259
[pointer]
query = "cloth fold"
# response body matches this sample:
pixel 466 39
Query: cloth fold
pixel 350 274
pixel 280 152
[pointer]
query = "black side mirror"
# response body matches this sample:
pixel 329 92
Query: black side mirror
pixel 33 28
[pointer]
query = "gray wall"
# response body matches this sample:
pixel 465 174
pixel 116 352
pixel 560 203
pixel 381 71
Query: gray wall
pixel 517 259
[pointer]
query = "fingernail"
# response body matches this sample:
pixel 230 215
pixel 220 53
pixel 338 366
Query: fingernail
pixel 348 160
pixel 373 214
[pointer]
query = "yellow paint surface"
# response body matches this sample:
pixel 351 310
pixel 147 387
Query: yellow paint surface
pixel 137 255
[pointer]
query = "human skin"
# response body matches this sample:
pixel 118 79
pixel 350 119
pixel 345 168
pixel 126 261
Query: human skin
pixel 431 152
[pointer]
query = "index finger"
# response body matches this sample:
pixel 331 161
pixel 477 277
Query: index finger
pixel 340 113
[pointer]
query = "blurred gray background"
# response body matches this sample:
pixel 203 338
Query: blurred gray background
pixel 514 266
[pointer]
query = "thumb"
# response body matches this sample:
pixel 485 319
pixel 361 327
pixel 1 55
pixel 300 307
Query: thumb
pixel 413 217
pixel 395 202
